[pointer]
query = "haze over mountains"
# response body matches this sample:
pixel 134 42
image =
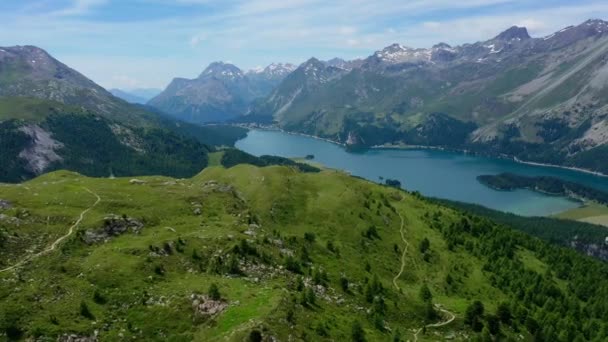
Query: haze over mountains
pixel 139 95
pixel 540 99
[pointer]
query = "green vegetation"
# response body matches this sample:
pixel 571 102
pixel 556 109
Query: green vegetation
pixel 251 253
pixel 575 234
pixel 211 135
pixel 550 185
pixel 92 144
pixel 103 153
pixel 233 157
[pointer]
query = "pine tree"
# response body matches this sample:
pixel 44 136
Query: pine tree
pixel 425 294
pixel 214 292
pixel 357 332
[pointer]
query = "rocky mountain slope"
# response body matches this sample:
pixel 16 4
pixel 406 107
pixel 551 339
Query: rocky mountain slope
pixel 259 254
pixel 52 117
pixel 541 99
pixel 221 92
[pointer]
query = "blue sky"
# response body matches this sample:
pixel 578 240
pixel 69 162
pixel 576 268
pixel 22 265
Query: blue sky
pixel 145 43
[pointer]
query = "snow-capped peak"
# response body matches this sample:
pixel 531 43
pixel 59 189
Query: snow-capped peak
pixel 274 70
pixel 222 70
pixel 397 53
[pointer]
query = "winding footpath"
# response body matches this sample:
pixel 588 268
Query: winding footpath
pixel 451 316
pixel 407 246
pixel 59 240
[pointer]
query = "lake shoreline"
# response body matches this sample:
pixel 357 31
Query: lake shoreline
pixel 436 148
pixel 392 165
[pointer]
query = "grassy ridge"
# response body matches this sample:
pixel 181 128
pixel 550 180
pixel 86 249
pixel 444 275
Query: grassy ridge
pixel 305 255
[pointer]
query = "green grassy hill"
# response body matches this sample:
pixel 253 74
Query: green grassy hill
pixel 294 256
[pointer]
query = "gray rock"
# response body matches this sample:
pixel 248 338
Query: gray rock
pixel 205 306
pixel 9 219
pixel 113 226
pixel 4 204
pixel 76 338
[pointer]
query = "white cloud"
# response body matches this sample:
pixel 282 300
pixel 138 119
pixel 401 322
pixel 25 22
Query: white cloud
pixel 197 39
pixel 347 30
pixel 352 42
pixel 78 7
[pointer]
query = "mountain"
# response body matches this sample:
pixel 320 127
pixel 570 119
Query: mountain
pixel 52 117
pixel 221 92
pixel 140 96
pixel 538 99
pixel 271 254
pixel 343 64
pixel 266 79
pixel 298 86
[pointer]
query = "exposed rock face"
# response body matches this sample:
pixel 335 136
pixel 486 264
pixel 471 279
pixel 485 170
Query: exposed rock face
pixel 207 307
pixel 514 33
pixel 591 249
pixel 42 152
pixel 4 204
pixel 113 226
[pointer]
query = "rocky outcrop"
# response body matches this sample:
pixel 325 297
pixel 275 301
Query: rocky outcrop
pixel 207 307
pixel 77 338
pixel 10 220
pixel 43 150
pixel 113 226
pixel 596 250
pixel 4 204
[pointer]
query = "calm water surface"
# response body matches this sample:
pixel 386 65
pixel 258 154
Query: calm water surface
pixel 434 173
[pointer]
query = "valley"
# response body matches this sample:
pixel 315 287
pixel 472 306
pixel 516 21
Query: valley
pixel 435 193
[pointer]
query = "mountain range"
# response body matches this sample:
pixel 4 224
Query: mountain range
pixel 52 117
pixel 535 99
pixel 220 93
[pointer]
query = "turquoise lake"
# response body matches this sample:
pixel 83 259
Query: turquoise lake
pixel 435 173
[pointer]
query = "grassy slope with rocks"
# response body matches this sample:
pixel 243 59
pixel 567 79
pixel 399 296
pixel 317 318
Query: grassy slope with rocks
pixel 302 256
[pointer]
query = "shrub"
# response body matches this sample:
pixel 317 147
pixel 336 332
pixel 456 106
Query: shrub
pixel 357 332
pixel 85 312
pixel 425 294
pixel 310 237
pixel 214 292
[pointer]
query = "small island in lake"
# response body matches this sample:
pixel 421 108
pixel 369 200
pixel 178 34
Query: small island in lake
pixel 544 184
